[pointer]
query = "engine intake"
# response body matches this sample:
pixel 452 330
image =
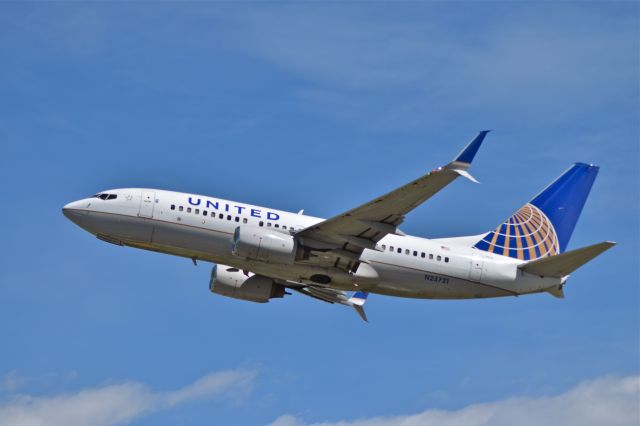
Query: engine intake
pixel 232 282
pixel 264 245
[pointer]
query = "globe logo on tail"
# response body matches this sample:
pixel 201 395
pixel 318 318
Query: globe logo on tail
pixel 526 235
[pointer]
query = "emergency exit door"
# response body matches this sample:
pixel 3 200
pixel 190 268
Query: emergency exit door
pixel 475 271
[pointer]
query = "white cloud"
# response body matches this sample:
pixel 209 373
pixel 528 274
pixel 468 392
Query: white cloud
pixel 12 382
pixel 116 404
pixel 606 401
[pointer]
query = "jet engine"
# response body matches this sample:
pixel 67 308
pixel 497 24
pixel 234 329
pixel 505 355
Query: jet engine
pixel 232 282
pixel 264 245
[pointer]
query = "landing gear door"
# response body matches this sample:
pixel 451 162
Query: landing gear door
pixel 475 271
pixel 147 202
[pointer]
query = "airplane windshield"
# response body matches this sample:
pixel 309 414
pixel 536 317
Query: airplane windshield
pixel 106 196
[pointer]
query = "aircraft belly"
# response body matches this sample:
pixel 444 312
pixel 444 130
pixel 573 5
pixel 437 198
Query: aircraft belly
pixel 408 282
pixel 160 236
pixel 120 227
pixel 193 239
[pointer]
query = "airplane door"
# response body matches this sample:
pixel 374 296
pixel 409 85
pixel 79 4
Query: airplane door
pixel 475 272
pixel 147 202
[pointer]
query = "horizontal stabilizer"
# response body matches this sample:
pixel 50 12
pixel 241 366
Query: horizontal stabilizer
pixel 556 292
pixel 565 263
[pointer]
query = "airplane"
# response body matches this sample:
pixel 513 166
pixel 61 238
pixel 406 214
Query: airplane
pixel 261 253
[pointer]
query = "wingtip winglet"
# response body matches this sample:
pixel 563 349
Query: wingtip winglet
pixel 469 152
pixel 357 301
pixel 360 311
pixel 359 298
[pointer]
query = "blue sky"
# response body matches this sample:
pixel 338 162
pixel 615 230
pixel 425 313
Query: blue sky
pixel 321 107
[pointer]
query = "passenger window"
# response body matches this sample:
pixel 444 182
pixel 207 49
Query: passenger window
pixel 268 224
pixel 446 260
pixel 228 217
pixel 173 206
pixel 415 253
pixel 220 216
pixel 407 251
pixel 213 214
pixel 197 211
pixel 384 247
pixel 261 223
pixel 244 220
pixel 188 209
pixel 422 255
pixel 439 258
pixel 180 208
pixel 399 250
pixel 204 213
pixel 237 219
pixel 276 226
pixel 390 248
pixel 430 257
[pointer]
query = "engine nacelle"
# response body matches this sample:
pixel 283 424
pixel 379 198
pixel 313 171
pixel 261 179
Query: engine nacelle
pixel 264 245
pixel 232 282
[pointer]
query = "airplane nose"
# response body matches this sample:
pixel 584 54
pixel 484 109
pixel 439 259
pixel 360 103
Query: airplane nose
pixel 75 211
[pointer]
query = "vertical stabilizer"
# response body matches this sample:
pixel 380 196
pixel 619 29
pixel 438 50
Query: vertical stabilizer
pixel 544 226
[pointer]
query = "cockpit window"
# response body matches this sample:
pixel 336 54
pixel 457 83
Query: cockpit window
pixel 104 196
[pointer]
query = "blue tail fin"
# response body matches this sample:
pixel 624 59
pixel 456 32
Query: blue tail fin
pixel 544 226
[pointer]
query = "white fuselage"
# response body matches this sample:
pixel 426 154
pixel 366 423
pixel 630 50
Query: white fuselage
pixel 202 228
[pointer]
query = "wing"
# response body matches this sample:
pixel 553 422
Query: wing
pixel 345 236
pixel 329 295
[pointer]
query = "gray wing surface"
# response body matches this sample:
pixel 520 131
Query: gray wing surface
pixel 346 235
